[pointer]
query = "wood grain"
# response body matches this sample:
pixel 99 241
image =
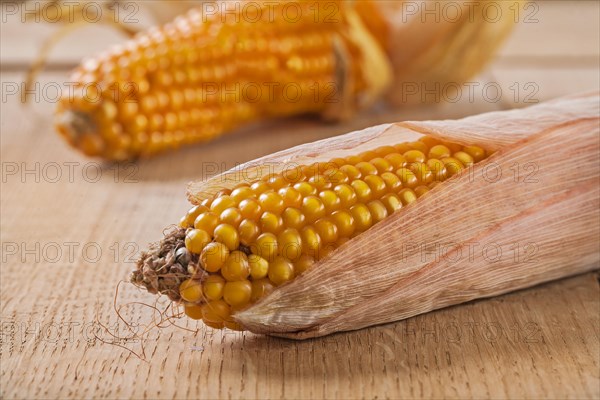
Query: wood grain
pixel 542 342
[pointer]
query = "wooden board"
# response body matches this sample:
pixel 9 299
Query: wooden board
pixel 71 228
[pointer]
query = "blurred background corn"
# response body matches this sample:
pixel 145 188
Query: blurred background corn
pixel 241 244
pixel 193 79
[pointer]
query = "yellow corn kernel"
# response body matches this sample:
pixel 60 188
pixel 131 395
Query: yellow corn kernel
pixel 384 150
pixel 335 176
pixel 188 220
pixel 291 197
pixel 231 216
pixel 303 264
pixel 382 165
pixel 260 187
pixel 330 200
pixel 213 287
pixel 196 239
pixel 407 177
pixel 241 193
pixel 312 208
pixel 476 152
pixel 271 222
pixel 377 185
pixel 362 217
pixel 266 246
pixel 222 203
pixel 377 210
pixel 351 172
pixel 207 221
pixel 236 267
pixel 271 202
pixel 420 146
pixel 392 182
pixel 453 147
pixel 422 172
pixel 407 196
pixel 290 244
pixel 362 190
pixel 346 194
pixel 429 141
pixel 396 160
pixel 421 190
pixel 464 157
pixel 438 169
pixel 367 155
pixel 193 311
pixel 413 156
pixel 261 288
pixel 250 209
pixel 228 235
pixel 215 311
pixel 439 151
pixel 281 271
pixel 276 181
pixel 391 202
pixel 344 222
pixel 213 256
pixel 305 188
pixel 311 241
pixel 327 230
pixel 248 232
pixel 353 160
pixel 190 290
pixel 238 293
pixel 293 218
pixel 366 168
pixel 259 267
pixel 319 182
pixel 453 166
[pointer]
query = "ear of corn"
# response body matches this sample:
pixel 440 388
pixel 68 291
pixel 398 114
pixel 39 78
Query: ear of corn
pixel 244 242
pixel 307 256
pixel 201 76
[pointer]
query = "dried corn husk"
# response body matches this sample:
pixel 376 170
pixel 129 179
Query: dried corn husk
pixel 549 212
pixel 431 44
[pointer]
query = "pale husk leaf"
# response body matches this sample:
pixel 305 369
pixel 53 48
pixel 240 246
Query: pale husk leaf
pixel 431 44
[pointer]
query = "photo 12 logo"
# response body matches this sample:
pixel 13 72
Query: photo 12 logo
pixel 457 11
pixel 470 92
pixel 71 11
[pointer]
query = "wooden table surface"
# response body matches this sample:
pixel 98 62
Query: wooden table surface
pixel 71 227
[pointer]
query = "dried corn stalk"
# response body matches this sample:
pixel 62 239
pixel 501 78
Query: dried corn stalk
pixel 177 85
pixel 525 214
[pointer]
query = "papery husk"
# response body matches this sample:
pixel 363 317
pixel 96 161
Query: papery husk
pixel 431 44
pixel 385 274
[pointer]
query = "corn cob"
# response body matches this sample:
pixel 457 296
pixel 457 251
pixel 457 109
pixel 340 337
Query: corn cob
pixel 201 76
pixel 319 248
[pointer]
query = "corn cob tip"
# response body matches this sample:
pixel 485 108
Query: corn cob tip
pixel 80 131
pixel 165 265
